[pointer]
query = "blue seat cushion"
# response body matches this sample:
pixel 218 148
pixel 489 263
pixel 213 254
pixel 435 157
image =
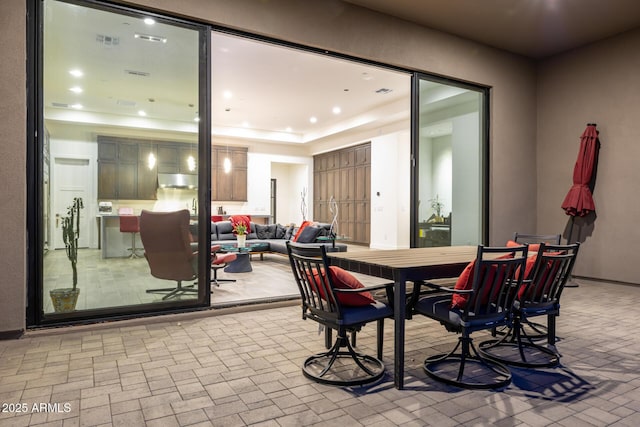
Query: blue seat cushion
pixel 367 313
pixel 438 307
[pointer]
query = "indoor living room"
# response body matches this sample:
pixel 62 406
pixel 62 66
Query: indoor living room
pixel 339 131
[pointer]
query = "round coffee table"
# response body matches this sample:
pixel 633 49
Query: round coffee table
pixel 242 263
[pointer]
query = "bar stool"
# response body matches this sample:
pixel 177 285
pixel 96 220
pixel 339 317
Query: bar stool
pixel 130 223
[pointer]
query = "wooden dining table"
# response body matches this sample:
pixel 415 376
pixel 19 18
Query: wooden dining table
pixel 402 265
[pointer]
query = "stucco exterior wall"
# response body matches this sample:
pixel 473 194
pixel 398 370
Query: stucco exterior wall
pixel 327 24
pixel 595 84
pixel 13 148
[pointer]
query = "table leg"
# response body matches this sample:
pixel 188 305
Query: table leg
pixel 399 310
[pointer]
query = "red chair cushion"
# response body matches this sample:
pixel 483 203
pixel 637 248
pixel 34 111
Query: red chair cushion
pixel 342 279
pixel 129 224
pixel 224 258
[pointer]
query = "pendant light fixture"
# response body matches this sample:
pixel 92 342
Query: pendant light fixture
pixel 191 161
pixel 227 162
pixel 151 158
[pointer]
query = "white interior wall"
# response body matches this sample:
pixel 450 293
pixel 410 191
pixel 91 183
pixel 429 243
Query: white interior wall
pixel 466 206
pixel 425 179
pixel 288 178
pixel 442 173
pixel 390 177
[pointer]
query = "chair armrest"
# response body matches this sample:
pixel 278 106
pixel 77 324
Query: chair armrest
pixel 365 289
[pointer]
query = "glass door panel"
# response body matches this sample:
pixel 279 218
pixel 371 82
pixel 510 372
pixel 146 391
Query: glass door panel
pixel 450 169
pixel 120 114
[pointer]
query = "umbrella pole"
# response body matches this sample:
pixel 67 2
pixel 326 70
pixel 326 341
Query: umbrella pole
pixel 570 283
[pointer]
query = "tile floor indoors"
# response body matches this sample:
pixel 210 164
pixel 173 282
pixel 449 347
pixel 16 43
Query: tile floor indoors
pixel 231 368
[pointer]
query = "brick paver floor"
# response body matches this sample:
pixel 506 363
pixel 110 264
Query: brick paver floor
pixel 243 368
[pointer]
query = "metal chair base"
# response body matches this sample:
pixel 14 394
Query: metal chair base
pixel 134 251
pixel 343 368
pixel 466 369
pixel 535 331
pixel 215 280
pixel 523 355
pixel 172 292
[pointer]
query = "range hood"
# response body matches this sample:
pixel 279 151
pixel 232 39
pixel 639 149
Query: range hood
pixel 177 180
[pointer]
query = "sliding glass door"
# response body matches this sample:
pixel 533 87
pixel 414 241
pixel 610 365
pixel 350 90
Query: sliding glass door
pixel 450 173
pixel 122 96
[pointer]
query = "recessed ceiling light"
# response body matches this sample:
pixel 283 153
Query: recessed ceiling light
pixel 288 129
pixel 197 119
pixel 142 113
pixel 227 94
pixel 76 73
pixel 149 21
pixel 313 119
pixel 336 110
pixel 245 124
pixel 76 89
pixel 76 106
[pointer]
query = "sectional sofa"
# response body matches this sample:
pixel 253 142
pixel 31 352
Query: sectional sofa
pixel 275 235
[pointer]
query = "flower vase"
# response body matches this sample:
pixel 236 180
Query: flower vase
pixel 242 240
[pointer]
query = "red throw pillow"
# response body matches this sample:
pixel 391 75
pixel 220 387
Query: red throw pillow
pixel 342 279
pixel 302 226
pixel 550 268
pixel 465 281
pixel 533 247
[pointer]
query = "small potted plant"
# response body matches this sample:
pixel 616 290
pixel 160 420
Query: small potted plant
pixel 240 230
pixel 65 299
pixel 437 206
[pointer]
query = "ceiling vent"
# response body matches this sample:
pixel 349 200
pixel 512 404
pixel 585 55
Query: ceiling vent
pixel 107 41
pixel 59 105
pixel 137 73
pixel 383 91
pixel 150 38
pixel 126 103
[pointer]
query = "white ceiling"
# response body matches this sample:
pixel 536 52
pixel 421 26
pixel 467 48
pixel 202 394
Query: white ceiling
pixel 275 90
pixel 273 87
pixel 533 28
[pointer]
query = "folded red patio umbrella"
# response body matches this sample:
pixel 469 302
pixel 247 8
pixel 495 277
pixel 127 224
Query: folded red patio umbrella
pixel 579 199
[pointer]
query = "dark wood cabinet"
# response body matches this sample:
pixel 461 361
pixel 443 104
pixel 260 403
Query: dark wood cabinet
pixel 117 169
pixel 123 166
pixel 231 185
pixel 346 175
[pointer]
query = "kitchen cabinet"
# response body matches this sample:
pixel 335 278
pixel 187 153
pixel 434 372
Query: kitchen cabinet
pixel 117 169
pixel 174 158
pixel 123 166
pixel 232 185
pixel 147 184
pixel 346 175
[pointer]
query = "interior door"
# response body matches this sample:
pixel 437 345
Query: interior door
pixel 68 184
